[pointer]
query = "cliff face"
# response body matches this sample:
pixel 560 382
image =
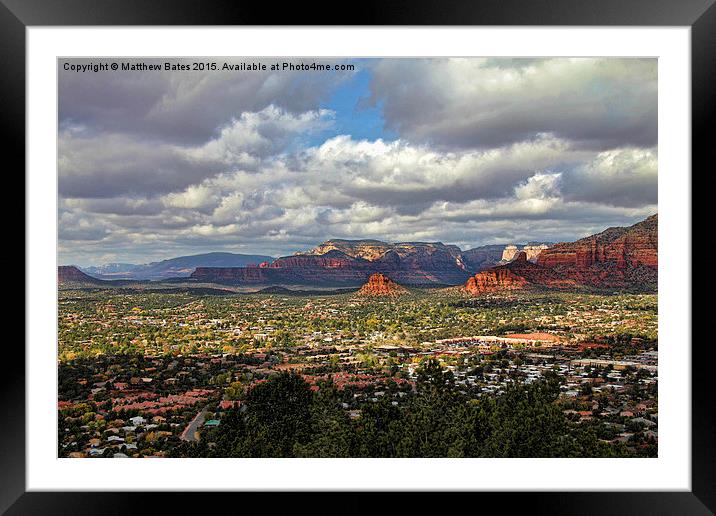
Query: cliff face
pixel 510 253
pixel 616 257
pixel 532 252
pixel 494 280
pixel 379 285
pixel 350 263
pixel 482 257
pixel 365 249
pixel 622 247
pixel 518 274
pixel 232 275
pixel 330 260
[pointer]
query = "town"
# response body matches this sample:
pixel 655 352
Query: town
pixel 154 374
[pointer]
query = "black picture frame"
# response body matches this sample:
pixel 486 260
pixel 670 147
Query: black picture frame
pixel 16 15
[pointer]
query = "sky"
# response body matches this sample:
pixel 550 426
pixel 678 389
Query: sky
pixel 469 151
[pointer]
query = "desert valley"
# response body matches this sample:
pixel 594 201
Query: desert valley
pixel 358 257
pixel 357 345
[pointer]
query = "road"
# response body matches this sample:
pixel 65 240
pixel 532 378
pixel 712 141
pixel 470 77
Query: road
pixel 189 433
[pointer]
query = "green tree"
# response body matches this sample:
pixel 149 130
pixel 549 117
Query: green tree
pixel 278 416
pixel 331 433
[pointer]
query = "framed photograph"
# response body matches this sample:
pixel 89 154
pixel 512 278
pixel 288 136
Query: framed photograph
pixel 440 249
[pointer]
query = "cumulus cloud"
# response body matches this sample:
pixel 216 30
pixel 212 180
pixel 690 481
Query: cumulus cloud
pixel 488 151
pixel 194 197
pixel 105 165
pixel 360 189
pixel 110 164
pixel 184 107
pixel 261 134
pixel 467 103
pixel 620 177
pixel 401 173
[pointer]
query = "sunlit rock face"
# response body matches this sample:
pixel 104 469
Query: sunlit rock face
pixel 616 257
pixel 350 263
pixel 531 250
pixel 379 285
pixel 509 253
pixel 515 275
pixel 494 280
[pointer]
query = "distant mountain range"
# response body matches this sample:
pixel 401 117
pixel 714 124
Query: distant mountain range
pixel 179 267
pixel 350 263
pixel 615 258
pixel 109 269
pixel 71 274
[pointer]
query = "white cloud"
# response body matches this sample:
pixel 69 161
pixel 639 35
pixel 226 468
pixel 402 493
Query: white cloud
pixel 185 108
pixel 539 187
pixel 194 197
pixel 619 177
pixel 466 102
pixel 107 165
pixel 260 134
pixel 488 151
pixel 357 189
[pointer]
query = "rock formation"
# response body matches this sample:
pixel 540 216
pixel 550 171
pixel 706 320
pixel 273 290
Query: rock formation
pixel 616 257
pixel 493 280
pixel 517 274
pixel 482 257
pixel 379 285
pixel 509 253
pixel 533 251
pixel 71 274
pixel 350 263
pixel 366 249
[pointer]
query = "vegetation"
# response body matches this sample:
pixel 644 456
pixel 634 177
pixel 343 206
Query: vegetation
pixel 276 375
pixel 119 322
pixel 284 419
